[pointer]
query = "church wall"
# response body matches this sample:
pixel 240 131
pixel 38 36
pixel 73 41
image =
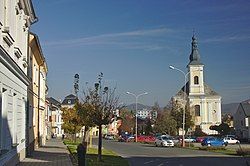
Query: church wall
pixel 210 112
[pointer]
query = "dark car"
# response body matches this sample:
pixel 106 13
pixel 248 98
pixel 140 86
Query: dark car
pixel 213 141
pixel 126 138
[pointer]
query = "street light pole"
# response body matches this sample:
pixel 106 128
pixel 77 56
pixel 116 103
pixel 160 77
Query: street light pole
pixel 184 110
pixel 136 101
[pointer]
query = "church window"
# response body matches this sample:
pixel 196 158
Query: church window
pixel 196 80
pixel 197 110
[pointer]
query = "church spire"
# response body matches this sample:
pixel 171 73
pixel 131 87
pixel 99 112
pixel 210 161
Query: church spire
pixel 194 56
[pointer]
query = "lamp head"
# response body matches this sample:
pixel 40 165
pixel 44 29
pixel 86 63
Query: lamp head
pixel 171 67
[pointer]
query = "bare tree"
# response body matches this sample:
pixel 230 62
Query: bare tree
pixel 100 103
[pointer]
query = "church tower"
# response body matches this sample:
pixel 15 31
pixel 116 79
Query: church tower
pixel 195 69
pixel 204 102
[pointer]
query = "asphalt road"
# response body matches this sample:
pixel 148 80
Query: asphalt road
pixel 149 155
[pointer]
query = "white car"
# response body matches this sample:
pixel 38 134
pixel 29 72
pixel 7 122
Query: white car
pixel 164 141
pixel 231 140
pixel 109 137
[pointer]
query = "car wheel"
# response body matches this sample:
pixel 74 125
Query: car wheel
pixel 162 144
pixel 156 144
pixel 237 142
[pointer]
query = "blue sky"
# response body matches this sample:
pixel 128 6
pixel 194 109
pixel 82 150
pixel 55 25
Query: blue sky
pixel 133 42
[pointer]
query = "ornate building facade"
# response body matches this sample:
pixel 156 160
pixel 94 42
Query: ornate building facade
pixel 205 103
pixel 16 17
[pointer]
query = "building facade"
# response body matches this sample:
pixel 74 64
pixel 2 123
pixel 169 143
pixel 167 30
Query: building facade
pixel 205 103
pixel 16 17
pixel 37 90
pixel 242 120
pixel 56 118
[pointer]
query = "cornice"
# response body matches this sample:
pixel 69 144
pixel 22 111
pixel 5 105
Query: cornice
pixel 13 67
pixel 28 9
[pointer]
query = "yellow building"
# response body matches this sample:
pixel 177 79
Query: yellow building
pixel 36 94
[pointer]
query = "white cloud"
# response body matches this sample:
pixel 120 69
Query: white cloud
pixel 227 39
pixel 131 39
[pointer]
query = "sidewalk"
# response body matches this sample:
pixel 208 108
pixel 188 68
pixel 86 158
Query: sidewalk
pixel 54 153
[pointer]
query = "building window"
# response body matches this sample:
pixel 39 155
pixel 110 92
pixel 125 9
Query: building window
pixel 196 80
pixel 197 110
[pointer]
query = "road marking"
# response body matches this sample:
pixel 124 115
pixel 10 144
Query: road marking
pixel 149 162
pixel 161 164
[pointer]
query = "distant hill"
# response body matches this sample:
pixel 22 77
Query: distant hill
pixel 230 108
pixel 139 106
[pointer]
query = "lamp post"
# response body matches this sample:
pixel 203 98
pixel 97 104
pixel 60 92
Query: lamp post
pixel 184 110
pixel 136 100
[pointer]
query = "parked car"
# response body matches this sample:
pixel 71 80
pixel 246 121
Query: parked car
pixel 146 138
pixel 164 141
pixel 199 139
pixel 109 137
pixel 189 139
pixel 126 138
pixel 231 140
pixel 175 139
pixel 213 141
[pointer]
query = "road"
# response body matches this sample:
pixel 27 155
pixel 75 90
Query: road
pixel 149 155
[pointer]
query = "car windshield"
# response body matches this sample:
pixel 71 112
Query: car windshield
pixel 165 138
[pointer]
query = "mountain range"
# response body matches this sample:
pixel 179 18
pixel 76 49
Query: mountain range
pixel 230 108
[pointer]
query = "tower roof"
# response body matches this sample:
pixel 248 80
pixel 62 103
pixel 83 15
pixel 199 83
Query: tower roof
pixel 194 56
pixel 208 91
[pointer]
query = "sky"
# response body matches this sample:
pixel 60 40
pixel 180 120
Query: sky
pixel 133 43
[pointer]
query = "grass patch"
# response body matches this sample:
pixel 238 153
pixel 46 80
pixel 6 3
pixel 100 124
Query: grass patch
pixel 109 158
pixel 221 149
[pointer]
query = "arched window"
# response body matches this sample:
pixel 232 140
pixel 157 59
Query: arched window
pixel 197 110
pixel 196 80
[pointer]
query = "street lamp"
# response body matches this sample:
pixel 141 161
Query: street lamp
pixel 136 99
pixel 183 120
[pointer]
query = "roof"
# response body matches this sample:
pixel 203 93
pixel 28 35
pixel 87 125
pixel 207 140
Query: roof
pixel 245 105
pixel 69 100
pixel 194 56
pixel 54 101
pixel 208 91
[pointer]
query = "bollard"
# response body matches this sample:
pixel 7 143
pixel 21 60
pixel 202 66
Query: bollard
pixel 81 154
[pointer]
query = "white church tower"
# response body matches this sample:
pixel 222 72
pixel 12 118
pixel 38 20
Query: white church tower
pixel 205 103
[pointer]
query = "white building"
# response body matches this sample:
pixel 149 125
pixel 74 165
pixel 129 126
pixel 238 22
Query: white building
pixel 242 120
pixel 16 17
pixel 56 117
pixel 146 113
pixel 205 103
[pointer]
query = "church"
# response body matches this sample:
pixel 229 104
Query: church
pixel 205 103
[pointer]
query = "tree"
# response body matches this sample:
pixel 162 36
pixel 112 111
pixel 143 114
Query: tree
pixel 148 128
pixel 155 110
pixel 165 123
pixel 128 121
pixel 222 129
pixel 101 103
pixel 198 132
pixel 84 112
pixel 177 114
pixel 72 122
